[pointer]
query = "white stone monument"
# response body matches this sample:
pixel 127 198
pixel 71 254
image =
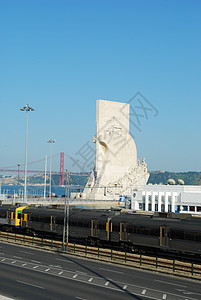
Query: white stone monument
pixel 117 170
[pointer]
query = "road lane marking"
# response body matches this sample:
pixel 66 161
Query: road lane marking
pixel 164 296
pixel 90 279
pixel 35 267
pixel 111 270
pixel 125 287
pixel 71 262
pixel 24 265
pixel 18 257
pixel 26 252
pixel 170 283
pixel 34 285
pixel 35 261
pixel 107 283
pixel 80 298
pixel 60 272
pixel 13 262
pixel 47 270
pixel 3 259
pixel 144 292
pixel 55 266
pixel 75 276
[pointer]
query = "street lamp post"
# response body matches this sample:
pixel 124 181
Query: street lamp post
pixel 18 181
pixel 66 212
pixel 26 108
pixel 51 141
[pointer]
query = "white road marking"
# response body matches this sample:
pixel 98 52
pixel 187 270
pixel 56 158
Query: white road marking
pixel 71 262
pixel 18 257
pixel 14 261
pixel 144 292
pixel 35 261
pixel 47 270
pixel 3 259
pixel 81 272
pixel 75 276
pixel 35 267
pixel 26 252
pixel 80 298
pixel 55 266
pixel 170 283
pixel 111 270
pixel 125 287
pixel 107 283
pixel 164 296
pixel 60 272
pixel 24 265
pixel 37 286
pixel 90 279
pixel 5 298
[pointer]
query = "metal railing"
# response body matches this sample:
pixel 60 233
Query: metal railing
pixel 170 266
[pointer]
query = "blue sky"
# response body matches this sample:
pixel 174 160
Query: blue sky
pixel 60 56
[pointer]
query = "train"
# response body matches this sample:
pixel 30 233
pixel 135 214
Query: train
pixel 122 230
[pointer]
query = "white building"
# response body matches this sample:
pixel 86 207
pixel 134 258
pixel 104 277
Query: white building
pixel 167 198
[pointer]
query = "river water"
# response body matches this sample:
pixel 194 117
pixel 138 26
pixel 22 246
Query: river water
pixel 35 190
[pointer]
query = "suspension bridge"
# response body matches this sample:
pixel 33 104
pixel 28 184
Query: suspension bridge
pixel 30 169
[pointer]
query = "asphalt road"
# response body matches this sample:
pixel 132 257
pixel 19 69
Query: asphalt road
pixel 27 273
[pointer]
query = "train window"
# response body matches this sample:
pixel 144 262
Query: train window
pixel 197 236
pixel 115 227
pixel 154 231
pixel 3 214
pixel 177 234
pixel 13 215
pixel 19 215
pixel 198 208
pixel 59 221
pixel 73 223
pixel 46 219
pixel 86 224
pixel 101 226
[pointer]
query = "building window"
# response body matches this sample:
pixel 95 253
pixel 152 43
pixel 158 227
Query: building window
pixel 156 207
pixel 185 208
pixel 198 208
pixel 141 206
pixel 191 208
pixel 162 207
pixel 169 208
pixel 149 208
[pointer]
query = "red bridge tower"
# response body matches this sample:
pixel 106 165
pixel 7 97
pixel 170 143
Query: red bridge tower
pixel 61 178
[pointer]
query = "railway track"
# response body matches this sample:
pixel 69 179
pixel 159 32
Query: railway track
pixel 159 264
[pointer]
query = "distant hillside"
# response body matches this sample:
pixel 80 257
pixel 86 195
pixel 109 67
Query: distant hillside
pixel 190 178
pixel 156 177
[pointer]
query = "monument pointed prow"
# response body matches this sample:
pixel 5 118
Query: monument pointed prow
pixel 117 170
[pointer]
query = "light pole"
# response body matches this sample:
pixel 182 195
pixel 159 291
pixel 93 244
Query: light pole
pixel 18 181
pixel 66 212
pixel 51 141
pixel 26 108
